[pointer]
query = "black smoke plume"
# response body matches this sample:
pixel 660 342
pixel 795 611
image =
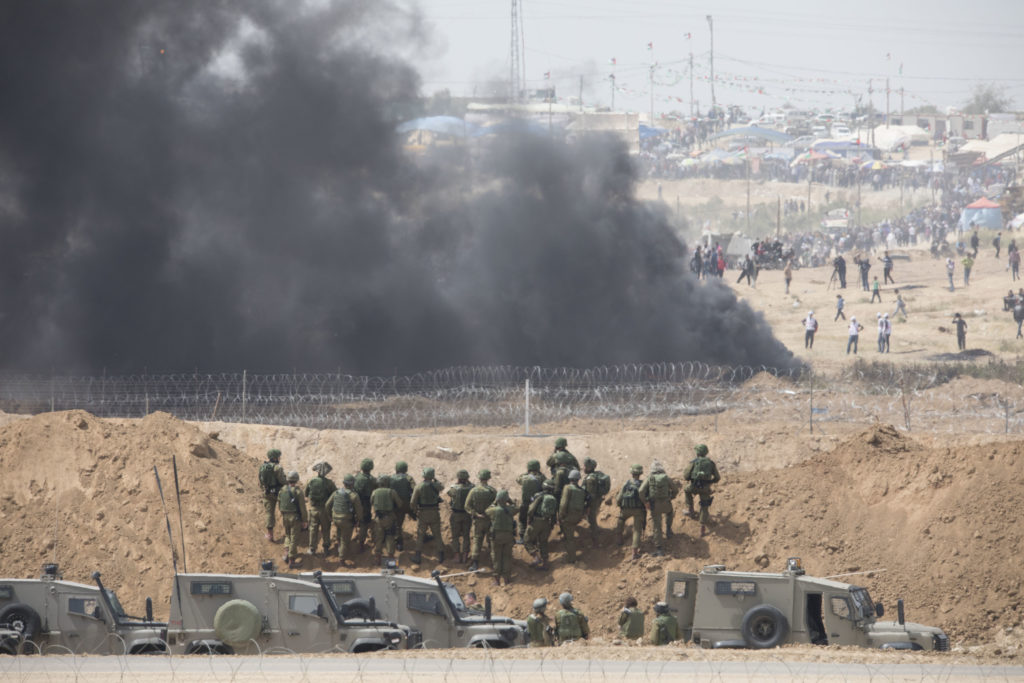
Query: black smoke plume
pixel 219 185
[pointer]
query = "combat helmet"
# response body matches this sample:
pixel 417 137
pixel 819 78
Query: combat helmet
pixel 701 450
pixel 293 477
pixel 589 464
pixel 565 599
pixel 366 465
pixel 636 469
pixel 533 466
pixel 574 475
pixel 502 497
pixel 462 475
pixel 401 467
pixel 428 472
pixel 539 604
pixel 273 455
pixel 384 482
pixel 484 475
pixel 349 480
pixel 561 442
pixel 661 607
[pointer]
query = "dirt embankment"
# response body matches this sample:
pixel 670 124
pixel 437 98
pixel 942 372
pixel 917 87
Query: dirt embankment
pixel 941 520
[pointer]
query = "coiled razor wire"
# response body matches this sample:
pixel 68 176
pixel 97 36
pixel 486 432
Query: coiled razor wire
pixel 498 396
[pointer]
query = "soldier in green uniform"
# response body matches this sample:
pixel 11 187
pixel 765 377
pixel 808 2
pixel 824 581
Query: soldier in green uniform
pixel 540 520
pixel 364 487
pixel 665 628
pixel 503 525
pixel 294 517
pixel 657 493
pixel 318 490
pixel 272 480
pixel 529 484
pixel 700 474
pixel 459 521
pixel 403 485
pixel 561 462
pixel 571 624
pixel 597 485
pixel 477 502
pixel 346 510
pixel 425 507
pixel 538 625
pixel 384 502
pixel 631 620
pixel 570 512
pixel 631 506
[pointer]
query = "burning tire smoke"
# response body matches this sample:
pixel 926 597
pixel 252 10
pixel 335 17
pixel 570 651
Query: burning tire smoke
pixel 219 185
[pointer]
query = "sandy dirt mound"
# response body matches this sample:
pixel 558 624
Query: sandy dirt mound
pixel 941 522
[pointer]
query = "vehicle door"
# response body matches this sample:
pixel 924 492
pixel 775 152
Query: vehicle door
pixel 681 596
pixel 424 610
pixel 841 619
pixel 304 621
pixel 85 625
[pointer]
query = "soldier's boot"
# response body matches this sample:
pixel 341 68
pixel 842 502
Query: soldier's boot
pixel 703 531
pixel 618 541
pixel 417 558
pixel 636 553
pixel 658 552
pixel 691 513
pixel 399 543
pixel 270 534
pixel 473 566
pixel 537 562
pixel 668 532
pixel 497 581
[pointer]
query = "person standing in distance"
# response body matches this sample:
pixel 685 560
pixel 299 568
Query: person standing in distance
pixel 292 503
pixel 699 475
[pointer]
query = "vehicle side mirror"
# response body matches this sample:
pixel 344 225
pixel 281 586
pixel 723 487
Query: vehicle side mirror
pixel 487 608
pixel 372 616
pixel 879 610
pixel 149 609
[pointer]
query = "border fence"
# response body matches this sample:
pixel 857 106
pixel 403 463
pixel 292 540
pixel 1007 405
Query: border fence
pixel 515 397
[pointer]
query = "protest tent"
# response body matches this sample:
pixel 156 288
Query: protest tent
pixel 983 213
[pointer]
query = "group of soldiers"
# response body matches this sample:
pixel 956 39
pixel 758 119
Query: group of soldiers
pixel 571 624
pixel 378 507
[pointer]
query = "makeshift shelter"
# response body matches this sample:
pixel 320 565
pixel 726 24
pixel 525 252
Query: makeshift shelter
pixel 983 213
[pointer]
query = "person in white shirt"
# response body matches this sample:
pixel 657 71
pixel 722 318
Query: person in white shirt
pixel 855 328
pixel 810 327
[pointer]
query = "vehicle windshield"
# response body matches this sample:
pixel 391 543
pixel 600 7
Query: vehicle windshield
pixel 453 595
pixel 863 604
pixel 114 602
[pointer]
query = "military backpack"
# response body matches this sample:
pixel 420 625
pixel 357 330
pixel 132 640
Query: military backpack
pixel 701 470
pixel 364 486
pixel 661 486
pixel 428 495
pixel 603 481
pixel 382 501
pixel 569 625
pixel 503 520
pixel 319 491
pixel 286 500
pixel 577 498
pixel 548 506
pixel 342 510
pixel 631 495
pixel 458 494
pixel 401 483
pixel 268 478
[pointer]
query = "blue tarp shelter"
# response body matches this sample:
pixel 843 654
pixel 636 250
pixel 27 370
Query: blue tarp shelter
pixel 983 213
pixel 755 132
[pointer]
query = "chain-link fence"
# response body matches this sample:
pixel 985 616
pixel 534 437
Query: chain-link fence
pixel 516 397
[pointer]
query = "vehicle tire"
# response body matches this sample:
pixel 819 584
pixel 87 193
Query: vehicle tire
pixel 764 626
pixel 21 618
pixel 237 621
pixel 357 608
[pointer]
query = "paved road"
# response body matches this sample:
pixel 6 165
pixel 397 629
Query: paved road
pixel 294 669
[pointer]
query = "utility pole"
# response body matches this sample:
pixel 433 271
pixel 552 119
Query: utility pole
pixel 711 28
pixel 871 113
pixel 517 58
pixel 689 37
pixel 652 94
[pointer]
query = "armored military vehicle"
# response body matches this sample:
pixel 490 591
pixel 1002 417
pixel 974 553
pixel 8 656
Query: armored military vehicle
pixel 430 606
pixel 50 614
pixel 271 612
pixel 719 608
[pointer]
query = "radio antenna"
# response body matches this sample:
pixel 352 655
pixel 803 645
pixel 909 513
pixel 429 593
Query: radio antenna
pixel 181 526
pixel 170 536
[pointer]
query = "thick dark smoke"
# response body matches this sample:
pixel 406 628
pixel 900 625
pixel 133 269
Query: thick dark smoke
pixel 218 185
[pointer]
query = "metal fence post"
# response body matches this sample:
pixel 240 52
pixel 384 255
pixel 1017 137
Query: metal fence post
pixel 244 378
pixel 527 405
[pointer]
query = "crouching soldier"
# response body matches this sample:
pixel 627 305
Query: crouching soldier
pixel 538 625
pixel 665 629
pixel 572 624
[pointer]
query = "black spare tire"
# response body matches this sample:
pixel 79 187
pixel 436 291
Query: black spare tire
pixel 764 626
pixel 23 619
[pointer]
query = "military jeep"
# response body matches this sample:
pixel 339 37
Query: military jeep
pixel 719 608
pixel 270 612
pixel 51 615
pixel 431 606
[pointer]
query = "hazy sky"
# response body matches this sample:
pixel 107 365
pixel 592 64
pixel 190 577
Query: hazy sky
pixel 813 53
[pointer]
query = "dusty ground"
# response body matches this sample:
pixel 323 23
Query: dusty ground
pixel 940 514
